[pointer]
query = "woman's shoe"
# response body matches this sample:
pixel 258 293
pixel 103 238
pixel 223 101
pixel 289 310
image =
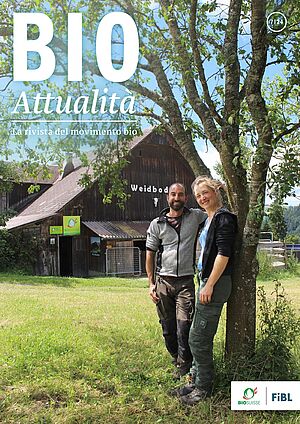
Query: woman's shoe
pixel 195 396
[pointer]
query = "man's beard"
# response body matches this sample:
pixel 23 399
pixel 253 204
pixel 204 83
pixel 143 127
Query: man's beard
pixel 176 205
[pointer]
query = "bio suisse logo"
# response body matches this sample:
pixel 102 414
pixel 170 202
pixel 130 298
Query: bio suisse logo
pixel 249 394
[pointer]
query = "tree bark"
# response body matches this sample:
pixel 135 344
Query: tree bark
pixel 241 329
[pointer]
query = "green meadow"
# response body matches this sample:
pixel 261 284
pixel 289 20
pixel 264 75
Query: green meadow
pixel 91 351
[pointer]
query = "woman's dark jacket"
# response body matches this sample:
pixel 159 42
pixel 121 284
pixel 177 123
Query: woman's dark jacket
pixel 220 240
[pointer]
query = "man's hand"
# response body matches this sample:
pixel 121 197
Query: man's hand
pixel 152 293
pixel 206 294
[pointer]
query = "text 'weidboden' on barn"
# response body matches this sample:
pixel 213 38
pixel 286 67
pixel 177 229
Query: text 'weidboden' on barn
pixel 81 236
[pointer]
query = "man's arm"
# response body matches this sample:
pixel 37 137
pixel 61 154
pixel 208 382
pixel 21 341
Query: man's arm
pixel 150 270
pixel 201 215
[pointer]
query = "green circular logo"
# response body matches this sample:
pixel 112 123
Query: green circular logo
pixel 249 393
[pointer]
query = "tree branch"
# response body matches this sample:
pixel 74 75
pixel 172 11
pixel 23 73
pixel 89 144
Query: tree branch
pixel 278 61
pixel 153 115
pixel 199 63
pixel 288 131
pixel 9 82
pixel 146 92
pixel 189 83
pixel 232 66
pixel 6 29
pixel 212 41
pixel 259 114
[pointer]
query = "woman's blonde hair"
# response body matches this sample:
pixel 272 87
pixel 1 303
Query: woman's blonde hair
pixel 213 184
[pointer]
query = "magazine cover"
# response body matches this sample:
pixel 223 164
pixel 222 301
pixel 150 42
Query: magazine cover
pixel 149 210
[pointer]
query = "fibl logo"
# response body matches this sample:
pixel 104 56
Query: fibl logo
pixel 281 397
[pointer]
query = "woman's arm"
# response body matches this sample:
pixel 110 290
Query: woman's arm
pixel 224 238
pixel 218 269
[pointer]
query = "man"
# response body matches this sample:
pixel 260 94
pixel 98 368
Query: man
pixel 172 236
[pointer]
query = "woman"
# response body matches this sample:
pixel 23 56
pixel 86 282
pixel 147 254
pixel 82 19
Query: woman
pixel 215 268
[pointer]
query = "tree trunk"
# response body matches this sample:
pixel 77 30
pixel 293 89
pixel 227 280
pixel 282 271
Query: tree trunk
pixel 240 330
pixel 188 149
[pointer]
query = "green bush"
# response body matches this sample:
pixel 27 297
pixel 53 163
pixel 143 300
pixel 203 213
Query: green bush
pixel 18 252
pixel 6 215
pixel 292 263
pixel 292 238
pixel 273 358
pixel 7 250
pixel 279 329
pixel 266 269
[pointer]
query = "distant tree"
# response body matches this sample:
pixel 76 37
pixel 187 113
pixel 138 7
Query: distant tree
pixel 265 226
pixel 276 221
pixel 292 219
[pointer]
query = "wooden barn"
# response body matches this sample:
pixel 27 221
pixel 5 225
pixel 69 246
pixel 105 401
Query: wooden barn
pixel 18 198
pixel 80 236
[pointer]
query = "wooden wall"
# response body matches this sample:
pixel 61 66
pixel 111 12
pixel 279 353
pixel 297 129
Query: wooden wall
pixel 154 164
pixel 18 198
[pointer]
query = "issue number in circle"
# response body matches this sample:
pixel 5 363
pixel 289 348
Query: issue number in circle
pixel 276 22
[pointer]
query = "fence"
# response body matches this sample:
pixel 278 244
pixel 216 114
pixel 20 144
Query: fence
pixel 123 260
pixel 276 250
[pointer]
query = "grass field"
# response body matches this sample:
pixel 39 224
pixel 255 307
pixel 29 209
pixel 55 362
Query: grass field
pixel 91 351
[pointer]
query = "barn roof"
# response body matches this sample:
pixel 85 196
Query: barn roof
pixel 51 201
pixel 111 230
pixel 20 221
pixel 41 178
pixel 59 194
